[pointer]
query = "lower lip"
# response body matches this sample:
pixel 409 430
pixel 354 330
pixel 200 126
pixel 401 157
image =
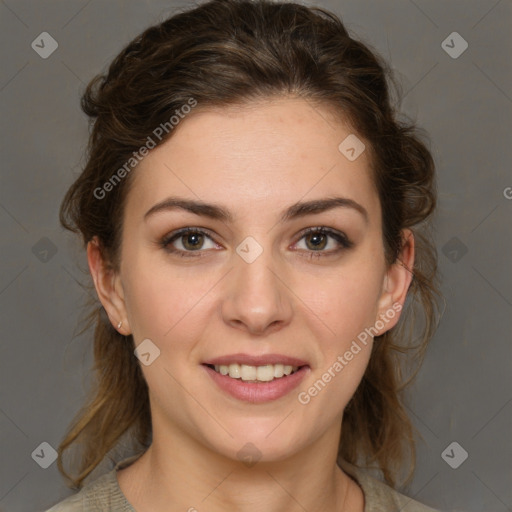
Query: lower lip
pixel 258 392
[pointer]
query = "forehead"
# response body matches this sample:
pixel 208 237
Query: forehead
pixel 259 155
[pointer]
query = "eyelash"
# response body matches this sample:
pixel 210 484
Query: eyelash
pixel 341 238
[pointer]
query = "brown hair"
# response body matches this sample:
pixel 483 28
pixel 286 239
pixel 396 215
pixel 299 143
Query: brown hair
pixel 228 52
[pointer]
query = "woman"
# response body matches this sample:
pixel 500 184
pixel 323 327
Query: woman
pixel 255 217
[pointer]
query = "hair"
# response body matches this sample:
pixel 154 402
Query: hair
pixel 235 52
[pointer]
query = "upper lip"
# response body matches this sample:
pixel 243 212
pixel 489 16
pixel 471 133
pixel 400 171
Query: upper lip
pixel 252 360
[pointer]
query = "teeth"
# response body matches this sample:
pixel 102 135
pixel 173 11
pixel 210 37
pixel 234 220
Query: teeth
pixel 248 372
pixel 234 371
pixel 264 373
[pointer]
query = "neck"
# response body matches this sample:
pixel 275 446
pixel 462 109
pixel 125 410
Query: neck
pixel 180 474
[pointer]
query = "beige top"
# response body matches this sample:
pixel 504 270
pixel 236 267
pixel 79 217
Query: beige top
pixel 104 494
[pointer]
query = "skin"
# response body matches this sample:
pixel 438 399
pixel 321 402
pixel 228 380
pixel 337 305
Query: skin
pixel 254 161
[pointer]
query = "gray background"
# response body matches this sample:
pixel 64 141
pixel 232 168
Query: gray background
pixel 463 392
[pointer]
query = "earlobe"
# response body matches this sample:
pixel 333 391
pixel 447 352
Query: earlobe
pixel 397 280
pixel 108 287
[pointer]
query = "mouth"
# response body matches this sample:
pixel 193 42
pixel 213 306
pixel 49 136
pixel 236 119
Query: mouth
pixel 256 379
pixel 254 374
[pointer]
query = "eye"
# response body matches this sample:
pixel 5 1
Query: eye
pixel 317 240
pixel 188 240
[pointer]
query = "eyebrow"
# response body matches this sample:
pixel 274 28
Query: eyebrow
pixel 297 210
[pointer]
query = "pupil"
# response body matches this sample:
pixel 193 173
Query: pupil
pixel 193 240
pixel 318 240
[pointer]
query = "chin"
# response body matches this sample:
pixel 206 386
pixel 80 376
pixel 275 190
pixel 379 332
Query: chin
pixel 259 444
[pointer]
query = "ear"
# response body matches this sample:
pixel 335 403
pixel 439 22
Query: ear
pixel 108 287
pixel 396 284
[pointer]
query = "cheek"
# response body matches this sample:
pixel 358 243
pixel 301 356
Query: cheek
pixel 347 306
pixel 149 303
pixel 164 303
pixel 346 302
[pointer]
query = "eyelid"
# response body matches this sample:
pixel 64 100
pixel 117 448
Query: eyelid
pixel 167 240
pixel 341 238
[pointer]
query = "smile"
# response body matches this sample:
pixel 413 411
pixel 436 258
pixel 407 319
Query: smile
pixel 256 384
pixel 248 373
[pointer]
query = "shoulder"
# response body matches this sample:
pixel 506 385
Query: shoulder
pixel 72 504
pixel 100 495
pixel 380 497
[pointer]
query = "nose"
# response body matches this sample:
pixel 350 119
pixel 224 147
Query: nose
pixel 257 299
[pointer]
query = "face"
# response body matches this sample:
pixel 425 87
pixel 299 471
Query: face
pixel 284 268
